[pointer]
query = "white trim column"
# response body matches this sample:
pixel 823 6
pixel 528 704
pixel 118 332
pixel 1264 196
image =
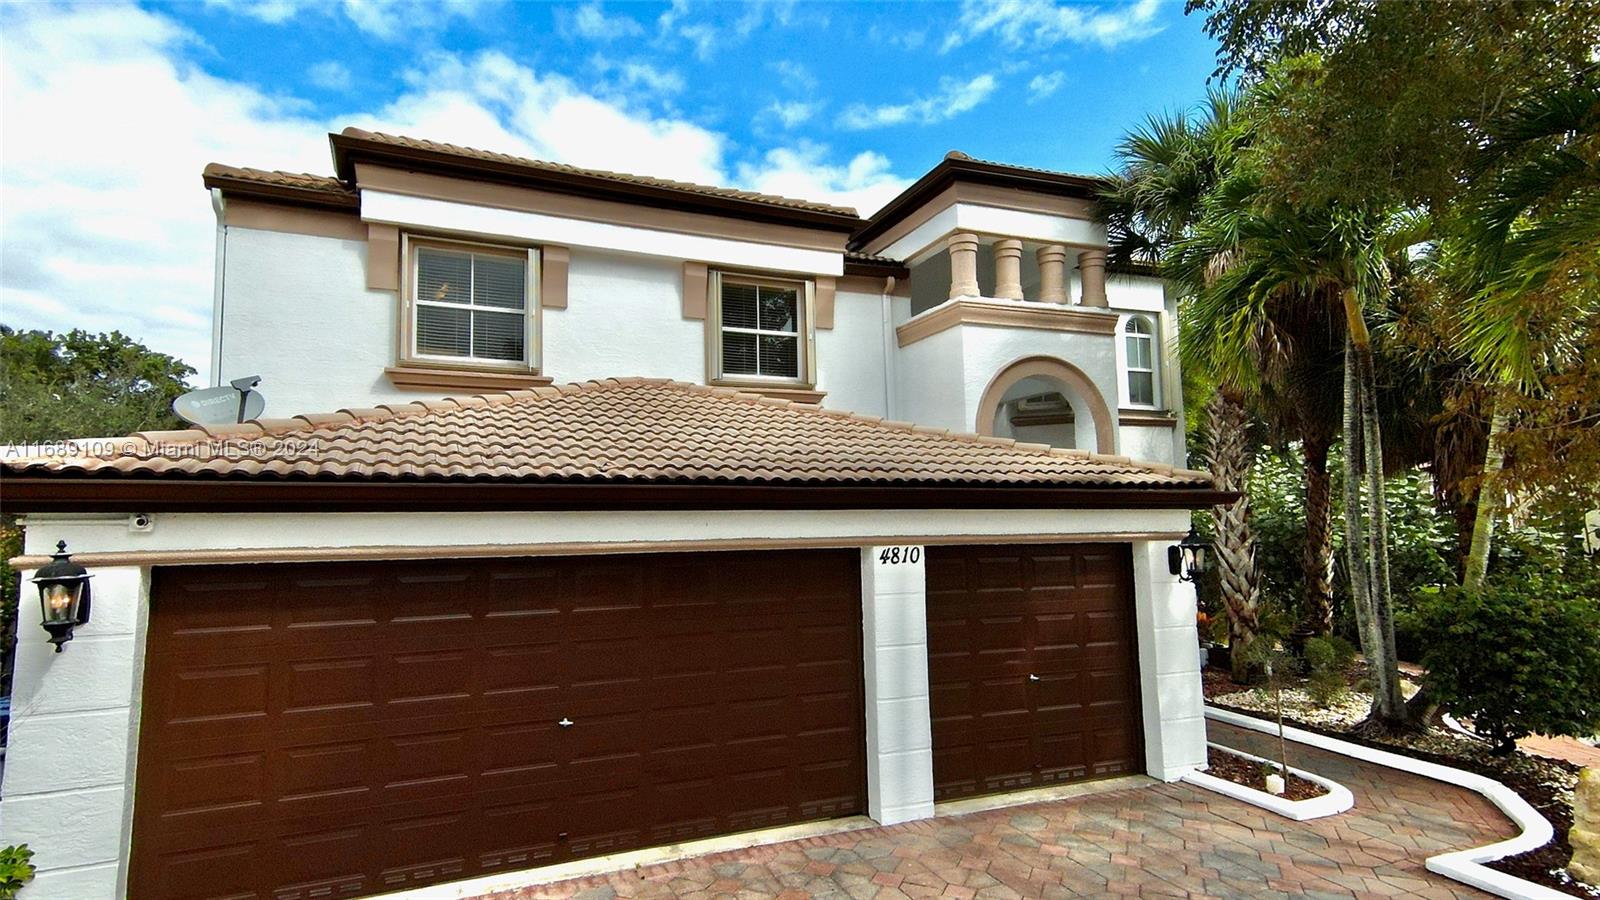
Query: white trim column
pixel 894 621
pixel 1169 665
pixel 68 776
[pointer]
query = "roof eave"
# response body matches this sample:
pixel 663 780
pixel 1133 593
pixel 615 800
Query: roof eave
pixel 74 492
pixel 953 169
pixel 282 193
pixel 349 149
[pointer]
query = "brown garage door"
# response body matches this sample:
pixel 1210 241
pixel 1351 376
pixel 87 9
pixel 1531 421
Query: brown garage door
pixel 1032 666
pixel 337 730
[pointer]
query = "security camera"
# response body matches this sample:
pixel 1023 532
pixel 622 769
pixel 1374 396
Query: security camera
pixel 141 522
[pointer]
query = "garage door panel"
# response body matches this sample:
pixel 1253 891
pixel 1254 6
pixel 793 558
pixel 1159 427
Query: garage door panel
pixel 1031 655
pixel 390 725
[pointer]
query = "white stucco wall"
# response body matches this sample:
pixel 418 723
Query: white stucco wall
pixel 297 312
pixel 851 365
pixel 83 704
pixel 624 316
pixel 1149 443
pixel 988 349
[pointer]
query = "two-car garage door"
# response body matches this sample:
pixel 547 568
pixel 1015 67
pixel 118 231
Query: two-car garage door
pixel 344 729
pixel 339 730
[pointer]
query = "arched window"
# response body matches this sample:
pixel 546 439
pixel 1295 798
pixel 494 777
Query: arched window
pixel 1140 340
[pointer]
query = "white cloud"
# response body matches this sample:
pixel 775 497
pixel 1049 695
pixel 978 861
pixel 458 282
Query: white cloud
pixel 1042 86
pixel 865 183
pixel 953 98
pixel 792 112
pixel 386 19
pixel 331 75
pixel 1043 23
pixel 795 75
pixel 107 225
pixel 589 21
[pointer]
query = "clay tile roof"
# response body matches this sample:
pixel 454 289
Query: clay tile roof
pixel 469 153
pixel 295 185
pixel 619 431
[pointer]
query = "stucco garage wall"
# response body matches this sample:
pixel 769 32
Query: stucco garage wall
pixel 77 817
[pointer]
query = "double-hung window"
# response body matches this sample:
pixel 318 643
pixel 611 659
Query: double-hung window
pixel 1139 338
pixel 472 305
pixel 762 329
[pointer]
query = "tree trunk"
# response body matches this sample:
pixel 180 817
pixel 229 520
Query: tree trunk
pixel 1316 556
pixel 1388 707
pixel 1483 522
pixel 1358 568
pixel 1235 547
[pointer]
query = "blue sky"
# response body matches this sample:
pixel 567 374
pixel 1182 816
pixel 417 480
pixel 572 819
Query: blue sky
pixel 110 110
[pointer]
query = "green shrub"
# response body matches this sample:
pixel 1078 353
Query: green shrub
pixel 1327 660
pixel 16 870
pixel 1519 657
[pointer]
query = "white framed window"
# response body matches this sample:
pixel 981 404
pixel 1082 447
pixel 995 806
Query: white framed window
pixel 761 329
pixel 1140 356
pixel 472 305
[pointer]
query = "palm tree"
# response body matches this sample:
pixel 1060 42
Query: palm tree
pixel 1168 167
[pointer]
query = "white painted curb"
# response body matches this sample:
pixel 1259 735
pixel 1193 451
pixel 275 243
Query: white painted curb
pixel 1465 866
pixel 1335 801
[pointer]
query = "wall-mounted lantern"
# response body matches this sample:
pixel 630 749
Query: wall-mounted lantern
pixel 63 595
pixel 1188 558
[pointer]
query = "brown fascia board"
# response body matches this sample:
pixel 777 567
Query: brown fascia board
pixel 975 171
pixel 80 494
pixel 348 150
pixel 282 193
pixel 877 268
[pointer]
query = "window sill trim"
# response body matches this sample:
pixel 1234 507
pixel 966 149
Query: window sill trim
pixel 797 392
pixel 1151 417
pixel 423 378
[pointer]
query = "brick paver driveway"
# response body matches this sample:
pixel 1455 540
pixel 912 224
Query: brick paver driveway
pixel 1168 840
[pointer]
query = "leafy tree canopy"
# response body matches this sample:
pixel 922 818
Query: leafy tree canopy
pixel 77 384
pixel 1394 99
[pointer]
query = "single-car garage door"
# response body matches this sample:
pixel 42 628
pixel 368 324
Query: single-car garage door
pixel 1033 668
pixel 337 730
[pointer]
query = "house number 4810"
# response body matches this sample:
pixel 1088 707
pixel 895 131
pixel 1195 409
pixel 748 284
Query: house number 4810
pixel 894 556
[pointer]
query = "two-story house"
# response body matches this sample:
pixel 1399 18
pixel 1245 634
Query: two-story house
pixel 592 512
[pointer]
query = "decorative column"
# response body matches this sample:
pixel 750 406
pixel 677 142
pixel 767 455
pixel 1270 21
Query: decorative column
pixel 1008 269
pixel 1092 270
pixel 963 264
pixel 1052 274
pixel 894 645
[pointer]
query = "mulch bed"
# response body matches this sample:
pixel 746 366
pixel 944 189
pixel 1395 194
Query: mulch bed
pixel 1249 773
pixel 1535 865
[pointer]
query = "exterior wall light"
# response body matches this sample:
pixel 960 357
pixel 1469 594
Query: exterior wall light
pixel 63 595
pixel 1188 558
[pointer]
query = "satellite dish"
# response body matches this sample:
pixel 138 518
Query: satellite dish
pixel 236 402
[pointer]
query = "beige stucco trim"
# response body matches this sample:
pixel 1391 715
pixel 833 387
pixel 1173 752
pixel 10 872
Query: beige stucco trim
pixel 553 265
pixel 430 378
pixel 293 219
pixel 383 257
pixel 822 315
pixel 982 195
pixel 350 554
pixel 1147 418
pixel 696 289
pixel 499 196
pixel 1062 371
pixel 1038 316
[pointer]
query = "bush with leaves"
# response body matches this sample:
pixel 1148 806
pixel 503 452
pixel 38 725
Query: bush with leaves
pixel 1519 657
pixel 16 870
pixel 1327 660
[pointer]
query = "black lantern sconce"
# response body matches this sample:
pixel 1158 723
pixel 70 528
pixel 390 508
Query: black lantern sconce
pixel 63 595
pixel 1188 558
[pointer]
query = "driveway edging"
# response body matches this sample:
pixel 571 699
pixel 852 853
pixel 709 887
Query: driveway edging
pixel 1338 799
pixel 1465 866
